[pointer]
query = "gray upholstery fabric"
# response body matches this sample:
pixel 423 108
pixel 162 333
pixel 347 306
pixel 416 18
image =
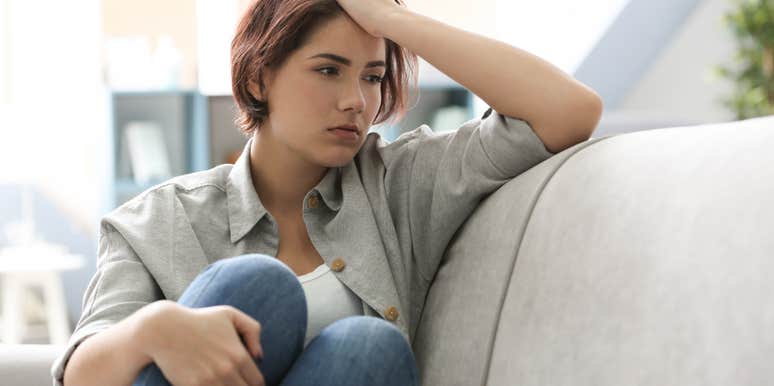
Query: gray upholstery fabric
pixel 466 295
pixel 648 260
pixel 27 364
pixel 643 258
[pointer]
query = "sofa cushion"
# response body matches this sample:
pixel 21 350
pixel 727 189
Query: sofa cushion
pixel 27 364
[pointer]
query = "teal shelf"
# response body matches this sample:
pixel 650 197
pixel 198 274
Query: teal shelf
pixel 182 116
pixel 150 92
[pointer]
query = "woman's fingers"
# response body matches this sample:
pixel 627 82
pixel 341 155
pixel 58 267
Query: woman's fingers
pixel 249 329
pixel 250 372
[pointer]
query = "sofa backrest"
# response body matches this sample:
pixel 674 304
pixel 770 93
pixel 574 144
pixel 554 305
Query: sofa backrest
pixel 462 310
pixel 642 258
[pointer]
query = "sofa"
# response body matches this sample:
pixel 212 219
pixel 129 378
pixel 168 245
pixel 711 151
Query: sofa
pixel 642 258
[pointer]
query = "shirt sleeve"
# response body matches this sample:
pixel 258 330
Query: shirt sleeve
pixel 444 176
pixel 120 286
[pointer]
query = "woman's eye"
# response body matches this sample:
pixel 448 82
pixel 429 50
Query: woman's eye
pixel 376 79
pixel 332 71
pixel 328 71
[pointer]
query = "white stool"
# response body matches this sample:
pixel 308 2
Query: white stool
pixel 22 267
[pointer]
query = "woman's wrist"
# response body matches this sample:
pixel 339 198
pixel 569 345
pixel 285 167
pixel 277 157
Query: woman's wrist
pixel 391 21
pixel 147 327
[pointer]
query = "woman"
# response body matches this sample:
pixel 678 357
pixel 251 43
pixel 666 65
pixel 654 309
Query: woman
pixel 308 261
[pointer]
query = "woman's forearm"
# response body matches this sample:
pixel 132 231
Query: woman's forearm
pixel 111 357
pixel 561 110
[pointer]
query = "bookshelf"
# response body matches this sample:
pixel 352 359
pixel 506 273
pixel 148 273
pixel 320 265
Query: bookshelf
pixel 181 116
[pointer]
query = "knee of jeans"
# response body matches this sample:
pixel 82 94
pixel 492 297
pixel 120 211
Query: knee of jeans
pixel 368 328
pixel 244 268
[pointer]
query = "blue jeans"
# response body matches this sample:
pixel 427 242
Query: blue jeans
pixel 357 350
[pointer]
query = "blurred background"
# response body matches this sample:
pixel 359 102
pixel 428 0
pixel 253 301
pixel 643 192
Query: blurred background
pixel 101 99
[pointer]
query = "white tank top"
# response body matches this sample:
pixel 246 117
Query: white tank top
pixel 327 300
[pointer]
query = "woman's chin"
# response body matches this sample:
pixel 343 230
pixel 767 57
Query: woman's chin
pixel 336 158
pixel 337 162
pixel 328 160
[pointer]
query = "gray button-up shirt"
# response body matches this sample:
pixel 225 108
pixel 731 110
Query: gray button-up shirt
pixel 388 214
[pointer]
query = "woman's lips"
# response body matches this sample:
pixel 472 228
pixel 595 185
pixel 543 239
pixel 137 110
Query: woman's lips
pixel 345 134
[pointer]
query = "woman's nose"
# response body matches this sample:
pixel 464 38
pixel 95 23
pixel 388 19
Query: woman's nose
pixel 353 98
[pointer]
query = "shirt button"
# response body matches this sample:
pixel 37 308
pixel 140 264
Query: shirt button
pixel 313 202
pixel 338 264
pixel 391 314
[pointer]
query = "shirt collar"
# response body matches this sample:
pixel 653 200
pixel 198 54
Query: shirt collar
pixel 330 188
pixel 244 206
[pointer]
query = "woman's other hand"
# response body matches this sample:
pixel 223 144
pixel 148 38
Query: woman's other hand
pixel 369 14
pixel 202 346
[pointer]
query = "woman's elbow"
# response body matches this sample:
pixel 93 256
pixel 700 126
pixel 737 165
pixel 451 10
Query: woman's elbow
pixel 590 112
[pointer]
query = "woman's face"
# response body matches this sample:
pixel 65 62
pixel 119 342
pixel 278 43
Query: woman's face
pixel 332 80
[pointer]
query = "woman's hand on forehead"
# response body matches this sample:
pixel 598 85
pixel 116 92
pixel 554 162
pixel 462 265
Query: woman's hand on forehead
pixel 368 14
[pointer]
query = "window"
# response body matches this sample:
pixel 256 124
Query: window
pixel 560 31
pixel 4 68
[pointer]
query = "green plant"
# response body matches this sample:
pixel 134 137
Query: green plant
pixel 752 22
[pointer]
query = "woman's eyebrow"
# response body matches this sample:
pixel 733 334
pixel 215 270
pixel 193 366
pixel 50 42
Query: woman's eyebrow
pixel 345 61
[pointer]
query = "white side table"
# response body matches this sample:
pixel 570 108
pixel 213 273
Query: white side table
pixel 37 264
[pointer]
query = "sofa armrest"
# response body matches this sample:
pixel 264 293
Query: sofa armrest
pixel 456 333
pixel 644 259
pixel 27 364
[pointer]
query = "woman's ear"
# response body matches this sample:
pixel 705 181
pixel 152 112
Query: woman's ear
pixel 255 90
pixel 265 79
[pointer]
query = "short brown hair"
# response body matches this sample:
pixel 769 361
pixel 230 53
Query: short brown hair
pixel 271 30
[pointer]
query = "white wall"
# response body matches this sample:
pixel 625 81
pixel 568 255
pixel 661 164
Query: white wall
pixel 559 31
pixel 53 114
pixel 680 88
pixel 478 16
